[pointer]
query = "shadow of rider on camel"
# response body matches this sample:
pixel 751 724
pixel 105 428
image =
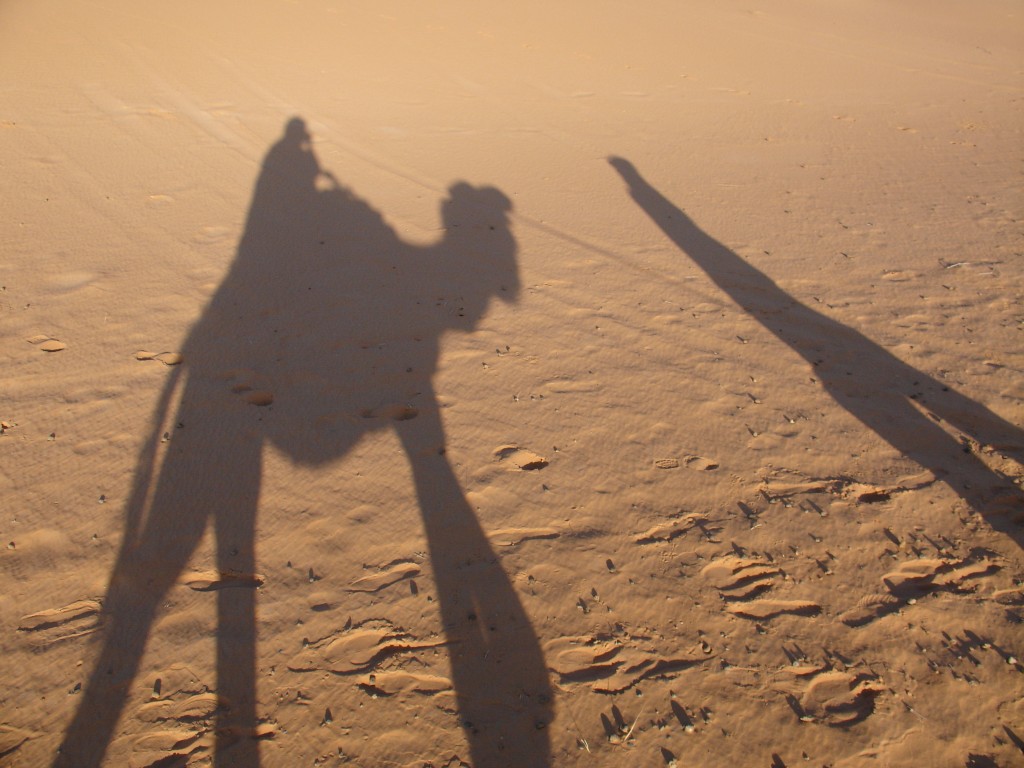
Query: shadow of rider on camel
pixel 326 328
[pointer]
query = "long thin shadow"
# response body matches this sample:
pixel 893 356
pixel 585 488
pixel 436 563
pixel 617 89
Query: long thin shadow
pixel 326 328
pixel 898 402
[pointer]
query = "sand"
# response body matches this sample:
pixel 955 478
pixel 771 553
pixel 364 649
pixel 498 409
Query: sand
pixel 512 384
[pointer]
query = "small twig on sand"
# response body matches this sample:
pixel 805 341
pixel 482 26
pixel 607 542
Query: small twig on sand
pixel 629 733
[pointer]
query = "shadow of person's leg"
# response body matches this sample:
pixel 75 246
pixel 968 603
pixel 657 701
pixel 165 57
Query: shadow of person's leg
pixel 973 419
pixel 501 682
pixel 925 420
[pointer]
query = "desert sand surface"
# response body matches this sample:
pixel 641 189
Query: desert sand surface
pixel 512 384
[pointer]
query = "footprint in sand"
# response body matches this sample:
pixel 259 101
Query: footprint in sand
pixel 762 610
pixel 174 722
pixel 916 578
pixel 677 526
pixel 258 397
pixel 839 699
pixel 509 537
pixel 868 609
pixel 47 343
pixel 393 412
pixel 243 387
pixel 71 281
pixel 582 658
pixel 700 463
pixel 612 667
pixel 209 581
pixel 517 458
pixel 899 275
pixel 73 620
pixel 177 746
pixel 200 706
pixel 785 484
pixel 738 578
pixel 741 582
pixel 12 738
pixel 385 577
pixel 392 683
pixel 167 358
pixel 1014 596
pixel 358 648
pixel 211 234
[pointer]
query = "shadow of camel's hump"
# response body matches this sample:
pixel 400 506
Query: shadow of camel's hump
pixel 336 324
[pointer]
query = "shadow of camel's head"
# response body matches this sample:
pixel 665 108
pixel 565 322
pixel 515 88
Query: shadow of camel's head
pixel 478 251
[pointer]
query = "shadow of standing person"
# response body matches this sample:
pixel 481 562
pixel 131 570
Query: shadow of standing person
pixel 326 328
pixel 877 388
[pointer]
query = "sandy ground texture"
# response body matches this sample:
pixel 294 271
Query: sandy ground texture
pixel 512 384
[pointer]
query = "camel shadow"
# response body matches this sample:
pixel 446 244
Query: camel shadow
pixel 901 404
pixel 326 328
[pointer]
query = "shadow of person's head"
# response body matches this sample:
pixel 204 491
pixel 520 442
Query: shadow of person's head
pixel 296 132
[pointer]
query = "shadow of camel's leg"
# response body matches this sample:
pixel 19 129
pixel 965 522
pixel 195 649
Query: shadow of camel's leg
pixel 145 570
pixel 501 682
pixel 211 469
pixel 129 608
pixel 236 630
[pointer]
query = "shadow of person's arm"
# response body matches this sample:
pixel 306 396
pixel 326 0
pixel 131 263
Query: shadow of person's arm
pixel 709 254
pixel 647 197
pixel 753 290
